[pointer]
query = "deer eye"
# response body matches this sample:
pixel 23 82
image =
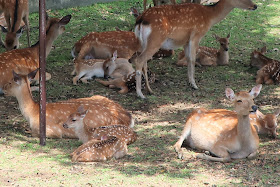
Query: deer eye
pixel 239 101
pixel 74 120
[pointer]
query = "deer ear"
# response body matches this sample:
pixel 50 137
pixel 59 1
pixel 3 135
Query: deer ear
pixel 32 74
pixel 277 112
pixel 263 50
pixel 115 55
pixel 230 94
pixel 4 30
pixel 134 12
pixel 216 36
pixel 17 78
pixel 228 36
pixel 65 20
pixel 256 90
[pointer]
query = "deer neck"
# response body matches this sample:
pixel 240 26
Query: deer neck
pixel 80 131
pixel 28 107
pixel 219 11
pixel 244 131
pixel 223 56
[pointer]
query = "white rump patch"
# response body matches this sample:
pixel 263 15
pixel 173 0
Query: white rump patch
pixel 142 34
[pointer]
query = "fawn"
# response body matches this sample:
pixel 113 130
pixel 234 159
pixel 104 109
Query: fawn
pixel 100 150
pixel 76 121
pixel 112 67
pixel 127 83
pixel 207 56
pixel 173 26
pixel 269 74
pixel 101 111
pixel 258 59
pixel 23 61
pixel 226 138
pixel 14 12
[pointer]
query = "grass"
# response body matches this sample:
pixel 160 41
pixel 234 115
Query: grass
pixel 151 160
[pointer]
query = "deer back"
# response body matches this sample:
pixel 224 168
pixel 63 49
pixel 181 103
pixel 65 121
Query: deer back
pixel 101 45
pixel 124 133
pixel 100 150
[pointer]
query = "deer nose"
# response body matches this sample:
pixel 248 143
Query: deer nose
pixel 65 126
pixel 106 76
pixel 226 49
pixel 255 7
pixel 255 108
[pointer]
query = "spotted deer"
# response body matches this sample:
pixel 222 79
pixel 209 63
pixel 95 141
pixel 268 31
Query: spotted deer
pixel 112 67
pixel 76 121
pixel 127 83
pixel 173 26
pixel 100 150
pixel 259 60
pixel 14 11
pixel 269 74
pixel 102 45
pixel 23 61
pixel 224 137
pixel 101 110
pixel 208 56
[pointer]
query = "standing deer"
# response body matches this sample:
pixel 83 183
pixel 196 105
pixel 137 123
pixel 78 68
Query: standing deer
pixel 224 137
pixel 23 61
pixel 101 111
pixel 14 12
pixel 112 67
pixel 207 56
pixel 76 121
pixel 259 60
pixel 100 150
pixel 173 26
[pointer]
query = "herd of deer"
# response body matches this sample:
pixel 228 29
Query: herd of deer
pixel 106 128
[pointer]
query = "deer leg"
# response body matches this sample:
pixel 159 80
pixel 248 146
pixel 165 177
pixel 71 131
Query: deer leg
pixel 253 155
pixel 211 158
pixel 190 53
pixel 185 134
pixel 147 78
pixel 25 20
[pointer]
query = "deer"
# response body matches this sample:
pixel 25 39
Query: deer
pixel 269 74
pixel 23 61
pixel 173 26
pixel 259 60
pixel 102 45
pixel 76 121
pixel 100 150
pixel 112 67
pixel 14 12
pixel 224 137
pixel 127 83
pixel 207 56
pixel 265 123
pixel 159 2
pixel 101 110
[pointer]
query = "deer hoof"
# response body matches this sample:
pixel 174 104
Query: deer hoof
pixel 193 86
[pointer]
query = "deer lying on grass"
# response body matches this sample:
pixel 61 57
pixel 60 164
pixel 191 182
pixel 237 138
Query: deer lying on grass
pixel 76 121
pixel 101 111
pixel 100 150
pixel 259 60
pixel 127 83
pixel 265 124
pixel 173 26
pixel 102 45
pixel 14 12
pixel 23 61
pixel 269 74
pixel 112 67
pixel 207 56
pixel 226 138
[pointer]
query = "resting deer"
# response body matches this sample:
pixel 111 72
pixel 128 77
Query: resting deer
pixel 259 60
pixel 207 56
pixel 226 138
pixel 101 111
pixel 23 61
pixel 14 12
pixel 112 67
pixel 265 123
pixel 127 83
pixel 269 74
pixel 102 45
pixel 76 121
pixel 100 150
pixel 173 26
